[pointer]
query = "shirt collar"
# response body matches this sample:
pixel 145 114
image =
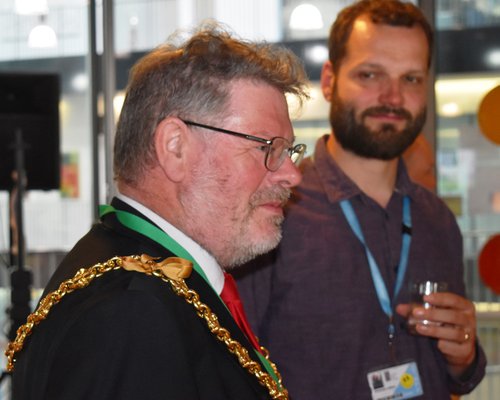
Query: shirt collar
pixel 205 260
pixel 338 186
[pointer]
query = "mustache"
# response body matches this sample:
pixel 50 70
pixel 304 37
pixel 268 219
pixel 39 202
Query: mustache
pixel 273 194
pixel 384 110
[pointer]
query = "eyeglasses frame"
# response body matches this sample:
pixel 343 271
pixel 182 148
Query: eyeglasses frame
pixel 299 148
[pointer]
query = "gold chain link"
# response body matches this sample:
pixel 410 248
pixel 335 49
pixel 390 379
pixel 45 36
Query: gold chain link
pixel 85 276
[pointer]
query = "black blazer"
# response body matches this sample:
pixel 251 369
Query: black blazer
pixel 127 335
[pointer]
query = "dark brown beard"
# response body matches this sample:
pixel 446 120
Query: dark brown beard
pixel 385 143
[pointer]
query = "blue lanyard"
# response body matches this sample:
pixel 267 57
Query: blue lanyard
pixel 378 281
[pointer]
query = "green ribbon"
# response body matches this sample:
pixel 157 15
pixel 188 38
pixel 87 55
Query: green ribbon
pixel 147 229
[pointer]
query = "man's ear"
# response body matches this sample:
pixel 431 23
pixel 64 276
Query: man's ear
pixel 327 79
pixel 171 147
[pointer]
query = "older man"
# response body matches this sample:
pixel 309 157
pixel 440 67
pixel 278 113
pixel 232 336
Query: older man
pixel 204 162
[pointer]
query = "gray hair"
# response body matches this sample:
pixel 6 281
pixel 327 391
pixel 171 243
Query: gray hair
pixel 189 80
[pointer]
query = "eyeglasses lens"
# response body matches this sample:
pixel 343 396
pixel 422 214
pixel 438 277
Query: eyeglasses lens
pixel 277 152
pixel 297 153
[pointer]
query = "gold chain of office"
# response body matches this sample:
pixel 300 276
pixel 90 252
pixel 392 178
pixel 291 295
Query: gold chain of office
pixel 146 264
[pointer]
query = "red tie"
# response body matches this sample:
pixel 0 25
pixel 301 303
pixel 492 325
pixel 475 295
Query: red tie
pixel 231 297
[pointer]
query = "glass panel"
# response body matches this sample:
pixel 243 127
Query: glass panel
pixel 462 14
pixel 467 161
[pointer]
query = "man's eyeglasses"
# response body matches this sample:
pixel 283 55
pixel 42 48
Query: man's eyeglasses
pixel 276 149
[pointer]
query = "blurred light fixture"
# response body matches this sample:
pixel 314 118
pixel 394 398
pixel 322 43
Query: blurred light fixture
pixel 306 17
pixel 450 110
pixel 31 7
pixel 461 96
pixel 317 54
pixel 80 82
pixel 42 35
pixel 493 58
pixel 133 21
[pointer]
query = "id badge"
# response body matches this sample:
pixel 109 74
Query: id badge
pixel 400 381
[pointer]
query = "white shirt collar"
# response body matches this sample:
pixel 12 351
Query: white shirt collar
pixel 205 260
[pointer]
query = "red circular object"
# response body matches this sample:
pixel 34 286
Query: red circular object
pixel 489 263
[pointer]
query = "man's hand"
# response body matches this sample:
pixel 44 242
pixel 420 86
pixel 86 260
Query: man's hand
pixel 454 328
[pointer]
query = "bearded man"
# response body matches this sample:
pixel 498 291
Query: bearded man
pixel 332 302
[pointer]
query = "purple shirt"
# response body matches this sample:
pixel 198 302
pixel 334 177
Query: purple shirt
pixel 313 303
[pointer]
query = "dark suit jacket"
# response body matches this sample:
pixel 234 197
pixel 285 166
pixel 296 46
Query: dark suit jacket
pixel 127 335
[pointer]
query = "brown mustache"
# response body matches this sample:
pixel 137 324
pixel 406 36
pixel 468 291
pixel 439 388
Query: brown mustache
pixel 384 110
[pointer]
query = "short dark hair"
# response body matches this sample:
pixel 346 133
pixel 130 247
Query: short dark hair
pixel 190 80
pixel 385 12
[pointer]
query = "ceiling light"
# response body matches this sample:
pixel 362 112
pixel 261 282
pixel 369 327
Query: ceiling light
pixel 317 54
pixel 133 21
pixel 493 58
pixel 306 17
pixel 31 7
pixel 42 35
pixel 80 82
pixel 450 110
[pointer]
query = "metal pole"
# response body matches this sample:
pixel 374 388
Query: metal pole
pixel 94 95
pixel 109 87
pixel 20 185
pixel 20 278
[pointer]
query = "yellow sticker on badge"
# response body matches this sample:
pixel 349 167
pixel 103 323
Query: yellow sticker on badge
pixel 406 380
pixel 399 381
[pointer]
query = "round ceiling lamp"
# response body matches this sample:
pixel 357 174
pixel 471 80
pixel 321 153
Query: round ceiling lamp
pixel 306 17
pixel 42 35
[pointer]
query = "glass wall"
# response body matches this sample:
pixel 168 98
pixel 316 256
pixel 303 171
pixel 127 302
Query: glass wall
pixel 468 68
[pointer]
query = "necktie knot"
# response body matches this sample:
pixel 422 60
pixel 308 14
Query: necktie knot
pixel 231 298
pixel 230 290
